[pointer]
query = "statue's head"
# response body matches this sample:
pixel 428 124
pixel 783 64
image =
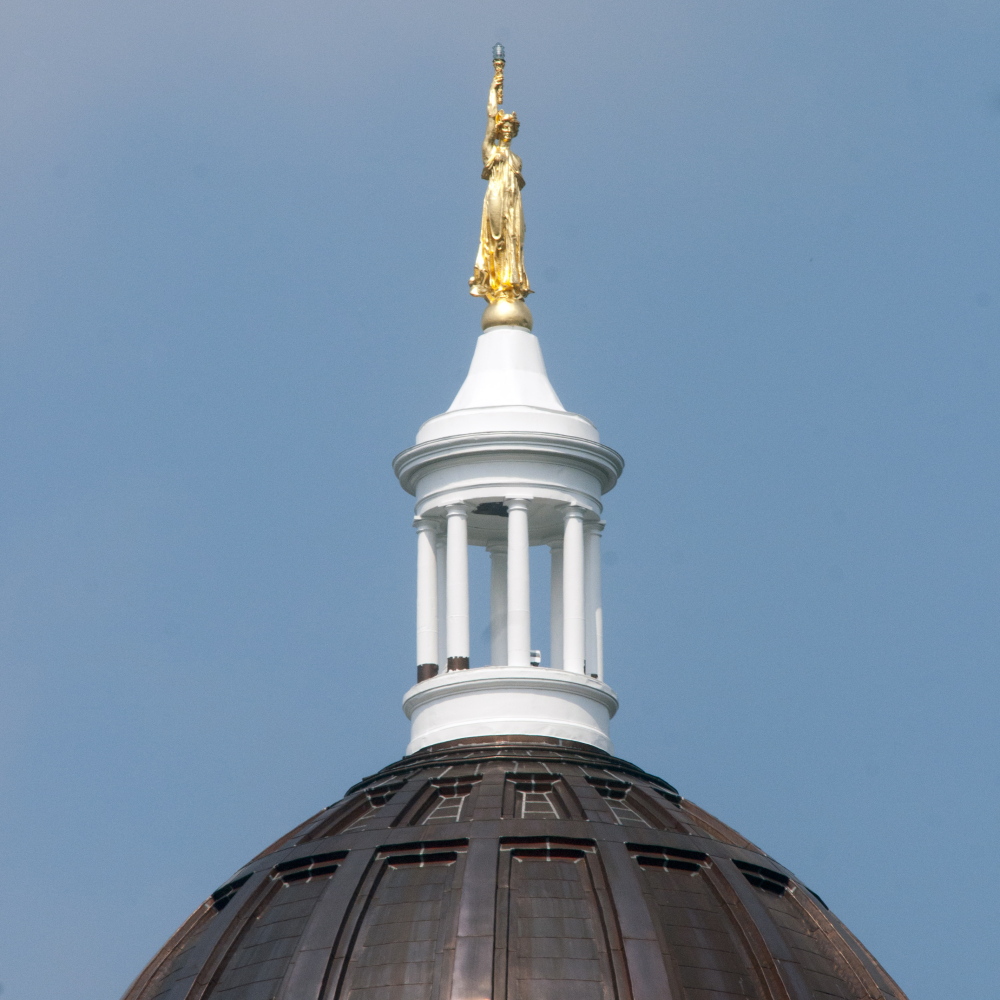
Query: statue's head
pixel 507 126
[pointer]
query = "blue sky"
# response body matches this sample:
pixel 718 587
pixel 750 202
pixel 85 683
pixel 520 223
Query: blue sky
pixel 234 249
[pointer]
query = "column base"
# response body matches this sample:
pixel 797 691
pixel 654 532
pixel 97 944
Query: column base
pixel 458 663
pixel 425 671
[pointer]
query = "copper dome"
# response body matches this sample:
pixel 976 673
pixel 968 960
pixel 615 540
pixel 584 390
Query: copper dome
pixel 513 868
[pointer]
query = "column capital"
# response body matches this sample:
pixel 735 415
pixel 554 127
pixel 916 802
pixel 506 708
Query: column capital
pixel 454 509
pixel 574 511
pixel 594 527
pixel 427 524
pixel 516 503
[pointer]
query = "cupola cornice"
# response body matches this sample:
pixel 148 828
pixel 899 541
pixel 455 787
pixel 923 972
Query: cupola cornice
pixel 589 456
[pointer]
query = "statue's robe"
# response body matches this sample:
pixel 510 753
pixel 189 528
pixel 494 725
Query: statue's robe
pixel 499 271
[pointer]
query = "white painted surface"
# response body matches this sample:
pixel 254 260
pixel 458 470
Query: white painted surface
pixel 510 701
pixel 518 585
pixel 507 369
pixel 458 582
pixel 498 602
pixel 507 419
pixel 595 610
pixel 507 389
pixel 427 592
pixel 556 605
pixel 441 547
pixel 466 470
pixel 574 608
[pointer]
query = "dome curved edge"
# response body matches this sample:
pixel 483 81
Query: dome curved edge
pixel 585 873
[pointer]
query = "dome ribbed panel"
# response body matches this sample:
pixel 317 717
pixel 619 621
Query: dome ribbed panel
pixel 513 869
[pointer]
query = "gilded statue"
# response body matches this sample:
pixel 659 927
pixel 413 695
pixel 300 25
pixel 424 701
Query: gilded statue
pixel 499 275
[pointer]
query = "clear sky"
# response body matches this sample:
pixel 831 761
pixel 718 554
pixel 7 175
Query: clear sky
pixel 234 244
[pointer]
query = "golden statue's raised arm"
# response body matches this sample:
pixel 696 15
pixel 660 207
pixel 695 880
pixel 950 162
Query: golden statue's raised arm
pixel 499 275
pixel 493 103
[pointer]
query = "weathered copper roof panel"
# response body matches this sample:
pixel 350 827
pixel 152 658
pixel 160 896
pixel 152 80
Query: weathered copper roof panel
pixel 513 869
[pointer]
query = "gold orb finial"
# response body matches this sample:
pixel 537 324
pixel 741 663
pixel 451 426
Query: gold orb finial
pixel 507 312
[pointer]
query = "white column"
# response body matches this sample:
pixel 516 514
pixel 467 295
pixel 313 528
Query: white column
pixel 442 601
pixel 427 598
pixel 498 604
pixel 556 606
pixel 595 610
pixel 573 592
pixel 518 585
pixel 458 586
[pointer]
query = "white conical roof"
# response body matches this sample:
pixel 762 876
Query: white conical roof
pixel 507 389
pixel 507 370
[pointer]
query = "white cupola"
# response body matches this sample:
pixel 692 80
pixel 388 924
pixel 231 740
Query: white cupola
pixel 507 467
